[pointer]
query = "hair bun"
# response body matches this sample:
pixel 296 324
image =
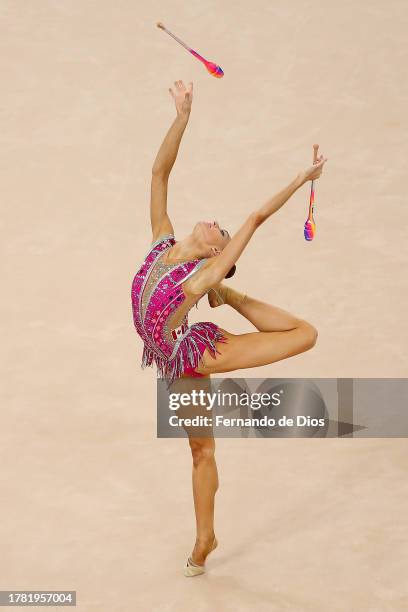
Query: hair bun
pixel 231 272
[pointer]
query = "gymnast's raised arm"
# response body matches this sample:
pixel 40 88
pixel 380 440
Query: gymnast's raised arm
pixel 165 159
pixel 215 270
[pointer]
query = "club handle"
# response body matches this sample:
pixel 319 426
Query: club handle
pixel 160 25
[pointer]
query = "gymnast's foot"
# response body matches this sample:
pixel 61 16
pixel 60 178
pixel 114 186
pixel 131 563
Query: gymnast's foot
pixel 218 295
pixel 196 562
pixel 221 294
pixel 202 549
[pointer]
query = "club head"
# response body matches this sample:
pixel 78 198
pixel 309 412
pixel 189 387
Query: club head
pixel 214 70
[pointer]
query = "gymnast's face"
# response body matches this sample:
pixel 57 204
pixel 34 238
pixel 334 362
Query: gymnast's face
pixel 213 235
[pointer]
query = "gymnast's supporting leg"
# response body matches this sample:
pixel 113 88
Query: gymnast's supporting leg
pixel 204 470
pixel 205 485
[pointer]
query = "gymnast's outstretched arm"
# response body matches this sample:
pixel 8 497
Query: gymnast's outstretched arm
pixel 165 159
pixel 215 270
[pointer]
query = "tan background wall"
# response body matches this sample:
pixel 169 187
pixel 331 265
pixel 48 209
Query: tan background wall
pixel 93 496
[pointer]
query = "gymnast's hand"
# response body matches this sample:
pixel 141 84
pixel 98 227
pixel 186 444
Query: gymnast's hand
pixel 314 172
pixel 182 97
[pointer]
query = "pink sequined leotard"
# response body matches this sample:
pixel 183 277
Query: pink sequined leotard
pixel 157 294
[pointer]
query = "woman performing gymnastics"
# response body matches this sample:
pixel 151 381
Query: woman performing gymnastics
pixel 174 276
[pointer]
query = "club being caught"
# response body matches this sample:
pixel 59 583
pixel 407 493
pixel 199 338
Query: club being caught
pixel 215 70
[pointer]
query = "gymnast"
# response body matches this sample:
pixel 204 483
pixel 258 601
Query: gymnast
pixel 174 276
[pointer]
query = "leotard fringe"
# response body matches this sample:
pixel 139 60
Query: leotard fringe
pixel 188 352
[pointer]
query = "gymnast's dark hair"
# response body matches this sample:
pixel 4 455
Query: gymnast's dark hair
pixel 231 272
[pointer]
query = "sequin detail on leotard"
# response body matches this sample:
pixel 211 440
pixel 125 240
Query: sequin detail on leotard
pixel 159 269
pixel 157 294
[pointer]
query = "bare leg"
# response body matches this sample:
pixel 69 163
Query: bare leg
pixel 280 335
pixel 265 317
pixel 204 469
pixel 205 485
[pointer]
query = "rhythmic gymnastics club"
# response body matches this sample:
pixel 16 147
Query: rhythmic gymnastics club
pixel 212 68
pixel 310 226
